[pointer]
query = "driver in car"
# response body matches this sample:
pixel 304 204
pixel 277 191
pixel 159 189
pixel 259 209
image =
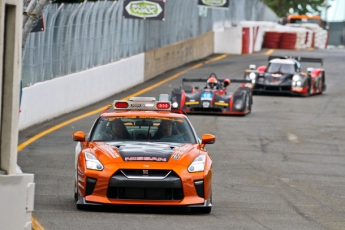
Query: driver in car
pixel 165 131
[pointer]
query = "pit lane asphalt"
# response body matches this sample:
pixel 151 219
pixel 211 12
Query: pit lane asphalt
pixel 280 167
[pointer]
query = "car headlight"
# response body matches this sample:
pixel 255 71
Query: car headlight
pixel 92 162
pixel 295 78
pixel 239 104
pixel 252 76
pixel 175 104
pixel 198 165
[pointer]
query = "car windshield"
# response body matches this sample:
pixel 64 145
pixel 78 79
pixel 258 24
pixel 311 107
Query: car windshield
pixel 280 68
pixel 144 129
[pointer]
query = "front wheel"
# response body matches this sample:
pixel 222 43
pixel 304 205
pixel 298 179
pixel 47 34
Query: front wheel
pixel 249 102
pixel 308 86
pixel 202 210
pixel 75 192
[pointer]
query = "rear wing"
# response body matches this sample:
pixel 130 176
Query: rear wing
pixel 300 59
pixel 204 80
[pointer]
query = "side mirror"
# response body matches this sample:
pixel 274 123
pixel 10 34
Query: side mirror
pixel 252 67
pixel 79 136
pixel 226 83
pixel 261 69
pixel 208 139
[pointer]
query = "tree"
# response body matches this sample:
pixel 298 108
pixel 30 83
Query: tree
pixel 302 7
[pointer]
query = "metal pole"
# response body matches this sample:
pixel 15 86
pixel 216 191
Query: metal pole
pixel 326 15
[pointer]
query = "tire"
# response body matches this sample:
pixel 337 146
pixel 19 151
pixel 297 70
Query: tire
pixel 75 192
pixel 202 210
pixel 176 91
pixel 308 88
pixel 80 207
pixel 321 87
pixel 250 102
pixel 187 88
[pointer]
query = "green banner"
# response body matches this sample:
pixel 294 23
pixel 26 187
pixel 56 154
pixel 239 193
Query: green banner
pixel 144 9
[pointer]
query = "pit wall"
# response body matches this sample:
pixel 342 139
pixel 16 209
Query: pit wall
pixel 46 100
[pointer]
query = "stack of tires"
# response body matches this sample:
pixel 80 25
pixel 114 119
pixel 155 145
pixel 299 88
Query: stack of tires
pixel 271 39
pixel 288 40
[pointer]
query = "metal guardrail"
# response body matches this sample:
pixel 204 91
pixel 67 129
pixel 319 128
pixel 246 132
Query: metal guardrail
pixel 82 36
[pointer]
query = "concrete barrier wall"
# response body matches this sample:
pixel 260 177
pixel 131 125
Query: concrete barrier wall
pixel 228 40
pixel 49 99
pixel 172 56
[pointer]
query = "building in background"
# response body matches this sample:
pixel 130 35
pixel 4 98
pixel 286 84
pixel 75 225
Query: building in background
pixel 334 17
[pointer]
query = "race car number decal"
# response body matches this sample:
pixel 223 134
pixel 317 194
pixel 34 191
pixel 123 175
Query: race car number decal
pixel 206 96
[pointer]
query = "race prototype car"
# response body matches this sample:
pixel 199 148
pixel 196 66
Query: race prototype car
pixel 284 75
pixel 214 97
pixel 143 153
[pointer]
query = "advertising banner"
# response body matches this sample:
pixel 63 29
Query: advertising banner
pixel 220 4
pixel 144 9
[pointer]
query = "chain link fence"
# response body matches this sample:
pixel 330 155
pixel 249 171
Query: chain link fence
pixel 82 36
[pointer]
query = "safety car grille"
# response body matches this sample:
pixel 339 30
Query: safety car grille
pixel 145 174
pixel 145 185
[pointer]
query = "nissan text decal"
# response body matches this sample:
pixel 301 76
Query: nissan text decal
pixel 144 9
pixel 214 2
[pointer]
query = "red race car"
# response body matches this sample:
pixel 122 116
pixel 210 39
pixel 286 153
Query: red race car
pixel 194 96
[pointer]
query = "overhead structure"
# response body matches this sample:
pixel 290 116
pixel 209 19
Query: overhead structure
pixel 16 188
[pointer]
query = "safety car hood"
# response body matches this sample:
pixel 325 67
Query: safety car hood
pixel 143 151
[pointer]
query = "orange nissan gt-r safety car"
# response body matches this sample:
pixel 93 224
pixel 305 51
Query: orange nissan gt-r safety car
pixel 143 153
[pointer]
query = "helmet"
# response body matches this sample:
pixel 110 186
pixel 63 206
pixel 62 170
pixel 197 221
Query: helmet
pixel 212 82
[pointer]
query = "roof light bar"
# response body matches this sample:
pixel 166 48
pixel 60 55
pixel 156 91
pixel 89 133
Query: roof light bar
pixel 121 104
pixel 142 99
pixel 143 103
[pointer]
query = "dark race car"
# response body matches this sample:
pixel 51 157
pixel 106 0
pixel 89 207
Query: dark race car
pixel 214 97
pixel 284 75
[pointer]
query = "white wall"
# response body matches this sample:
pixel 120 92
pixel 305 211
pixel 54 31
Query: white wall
pixel 49 99
pixel 228 40
pixel 17 201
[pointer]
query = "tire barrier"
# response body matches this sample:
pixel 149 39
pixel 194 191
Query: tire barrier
pixel 272 40
pixel 288 41
pixel 295 36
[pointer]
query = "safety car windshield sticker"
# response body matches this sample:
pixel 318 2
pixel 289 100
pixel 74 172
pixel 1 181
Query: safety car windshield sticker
pixel 181 150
